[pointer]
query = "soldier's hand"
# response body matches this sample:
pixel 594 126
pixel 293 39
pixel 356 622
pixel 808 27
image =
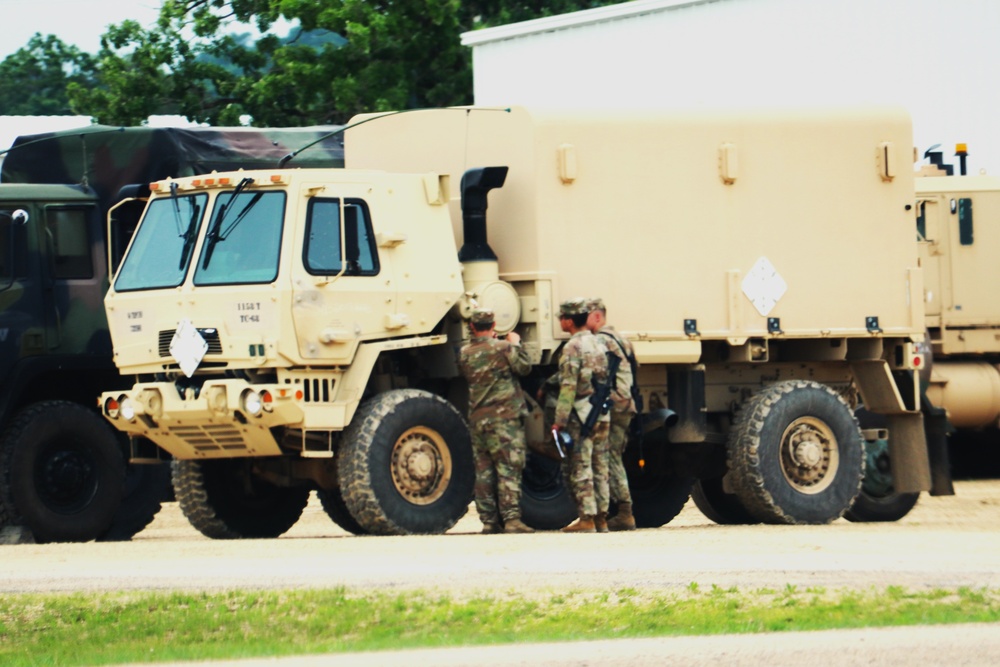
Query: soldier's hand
pixel 514 338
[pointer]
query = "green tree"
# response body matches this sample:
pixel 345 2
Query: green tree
pixel 34 79
pixel 341 58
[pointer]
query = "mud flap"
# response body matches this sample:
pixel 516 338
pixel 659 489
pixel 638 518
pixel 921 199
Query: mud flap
pixel 937 428
pixel 908 453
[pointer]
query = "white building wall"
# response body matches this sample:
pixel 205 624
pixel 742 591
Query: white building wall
pixel 940 59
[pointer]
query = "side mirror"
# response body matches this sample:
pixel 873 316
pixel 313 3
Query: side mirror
pixel 19 217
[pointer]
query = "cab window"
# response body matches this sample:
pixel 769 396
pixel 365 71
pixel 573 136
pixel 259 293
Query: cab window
pixel 66 233
pixel 325 252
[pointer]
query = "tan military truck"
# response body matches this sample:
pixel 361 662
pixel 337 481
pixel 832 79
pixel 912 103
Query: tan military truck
pixel 957 219
pixel 296 329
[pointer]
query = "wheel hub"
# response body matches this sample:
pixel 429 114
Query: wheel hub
pixel 809 455
pixel 67 480
pixel 421 465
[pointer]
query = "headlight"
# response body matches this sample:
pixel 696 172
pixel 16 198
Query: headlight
pixel 252 403
pixel 125 408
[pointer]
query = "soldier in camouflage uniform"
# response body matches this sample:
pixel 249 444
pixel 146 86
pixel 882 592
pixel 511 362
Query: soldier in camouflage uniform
pixel 623 409
pixel 496 407
pixel 582 363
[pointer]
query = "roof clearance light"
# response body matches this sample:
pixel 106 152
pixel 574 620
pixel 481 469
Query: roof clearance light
pixel 224 180
pixel 209 181
pixel 196 183
pixel 276 178
pixel 153 187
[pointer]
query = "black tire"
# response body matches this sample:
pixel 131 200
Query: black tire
pixel 723 508
pixel 406 464
pixel 223 499
pixel 546 502
pixel 876 509
pixel 795 454
pixel 62 472
pixel 147 487
pixel 335 508
pixel 659 493
pixel 878 501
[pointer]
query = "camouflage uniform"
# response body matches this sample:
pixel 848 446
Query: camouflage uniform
pixel 583 361
pixel 496 406
pixel 622 411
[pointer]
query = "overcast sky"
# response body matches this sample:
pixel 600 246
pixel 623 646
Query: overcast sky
pixel 77 22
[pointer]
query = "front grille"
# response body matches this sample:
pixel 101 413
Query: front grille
pixel 317 390
pixel 211 337
pixel 211 437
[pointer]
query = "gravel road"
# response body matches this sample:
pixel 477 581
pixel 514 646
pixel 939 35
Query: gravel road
pixel 945 542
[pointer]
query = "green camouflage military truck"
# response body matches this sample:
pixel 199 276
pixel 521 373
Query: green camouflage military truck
pixel 63 472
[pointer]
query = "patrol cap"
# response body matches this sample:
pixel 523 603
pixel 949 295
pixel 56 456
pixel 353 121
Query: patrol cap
pixel 577 306
pixel 596 304
pixel 482 316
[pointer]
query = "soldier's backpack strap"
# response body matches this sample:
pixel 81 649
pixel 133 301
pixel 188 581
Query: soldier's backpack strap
pixel 634 389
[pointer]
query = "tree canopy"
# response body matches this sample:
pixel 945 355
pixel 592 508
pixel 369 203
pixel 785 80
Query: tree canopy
pixel 276 62
pixel 34 79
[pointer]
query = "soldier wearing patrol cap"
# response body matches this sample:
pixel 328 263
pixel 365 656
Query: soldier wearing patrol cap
pixel 496 407
pixel 582 363
pixel 623 409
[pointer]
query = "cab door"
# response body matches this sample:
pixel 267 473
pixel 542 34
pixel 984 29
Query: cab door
pixel 345 291
pixel 73 280
pixel 934 242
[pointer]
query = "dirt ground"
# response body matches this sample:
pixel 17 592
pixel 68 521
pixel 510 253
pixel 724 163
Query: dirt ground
pixel 944 542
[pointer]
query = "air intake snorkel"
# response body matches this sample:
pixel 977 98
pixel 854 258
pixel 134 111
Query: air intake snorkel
pixel 481 270
pixel 475 185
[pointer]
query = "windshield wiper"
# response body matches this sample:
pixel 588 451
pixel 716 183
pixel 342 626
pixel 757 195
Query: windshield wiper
pixel 189 235
pixel 213 236
pixel 177 208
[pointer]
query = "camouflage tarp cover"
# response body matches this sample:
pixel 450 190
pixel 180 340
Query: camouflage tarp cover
pixel 117 156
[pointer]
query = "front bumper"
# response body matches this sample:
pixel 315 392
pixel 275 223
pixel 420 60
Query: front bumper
pixel 217 420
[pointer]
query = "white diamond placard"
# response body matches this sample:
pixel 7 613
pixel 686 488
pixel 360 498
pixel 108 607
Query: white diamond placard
pixel 764 286
pixel 188 347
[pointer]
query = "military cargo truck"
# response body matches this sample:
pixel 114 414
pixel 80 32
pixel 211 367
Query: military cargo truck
pixel 957 227
pixel 302 332
pixel 62 470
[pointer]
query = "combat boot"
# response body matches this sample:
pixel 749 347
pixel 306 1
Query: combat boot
pixel 601 522
pixel 623 520
pixel 491 528
pixel 585 524
pixel 516 526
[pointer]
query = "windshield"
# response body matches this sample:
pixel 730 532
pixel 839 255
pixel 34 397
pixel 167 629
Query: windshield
pixel 161 251
pixel 244 239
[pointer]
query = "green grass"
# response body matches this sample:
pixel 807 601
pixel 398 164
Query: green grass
pixel 105 629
